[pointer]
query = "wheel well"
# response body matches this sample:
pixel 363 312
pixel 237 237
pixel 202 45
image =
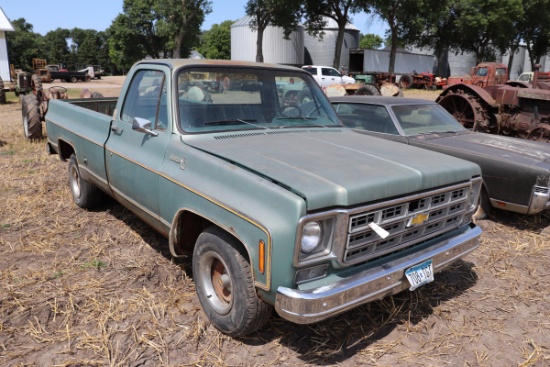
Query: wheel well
pixel 65 150
pixel 189 225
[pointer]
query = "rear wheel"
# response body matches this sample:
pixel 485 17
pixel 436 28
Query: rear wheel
pixel 85 194
pixel 466 110
pixel 36 83
pixel 540 133
pixel 405 81
pixel 367 90
pixel 74 79
pixel 225 286
pixel 30 108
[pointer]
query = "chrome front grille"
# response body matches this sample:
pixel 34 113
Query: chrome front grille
pixel 408 222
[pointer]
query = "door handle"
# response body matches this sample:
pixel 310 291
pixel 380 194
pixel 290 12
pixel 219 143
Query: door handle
pixel 116 129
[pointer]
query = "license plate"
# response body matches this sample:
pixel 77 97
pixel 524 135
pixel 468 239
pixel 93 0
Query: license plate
pixel 420 274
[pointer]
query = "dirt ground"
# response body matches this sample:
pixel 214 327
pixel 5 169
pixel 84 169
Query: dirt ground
pixel 98 288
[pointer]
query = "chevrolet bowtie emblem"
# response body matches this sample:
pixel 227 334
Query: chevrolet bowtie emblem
pixel 418 219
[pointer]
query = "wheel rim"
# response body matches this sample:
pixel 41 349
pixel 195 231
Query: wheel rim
pixel 26 126
pixel 74 181
pixel 541 133
pixel 216 282
pixel 462 109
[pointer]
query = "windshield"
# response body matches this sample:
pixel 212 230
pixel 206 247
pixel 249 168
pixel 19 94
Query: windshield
pixel 228 99
pixel 421 119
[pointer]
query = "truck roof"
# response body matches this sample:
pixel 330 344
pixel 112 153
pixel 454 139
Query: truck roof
pixel 176 63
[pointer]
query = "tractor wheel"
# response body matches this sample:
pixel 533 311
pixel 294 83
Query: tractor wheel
pixel 32 126
pixel 465 109
pixel 405 81
pixel 540 133
pixel 367 90
pixel 36 83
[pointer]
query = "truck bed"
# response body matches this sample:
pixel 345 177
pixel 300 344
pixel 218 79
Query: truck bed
pixel 105 106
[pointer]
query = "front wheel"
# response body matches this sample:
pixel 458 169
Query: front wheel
pixel 85 194
pixel 225 286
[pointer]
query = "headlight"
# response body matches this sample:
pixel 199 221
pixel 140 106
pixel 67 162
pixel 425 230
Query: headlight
pixel 311 237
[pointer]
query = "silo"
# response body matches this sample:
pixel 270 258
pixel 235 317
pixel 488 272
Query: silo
pixel 321 51
pixel 276 49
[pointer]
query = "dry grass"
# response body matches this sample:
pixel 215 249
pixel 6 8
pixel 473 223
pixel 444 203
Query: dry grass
pixel 98 288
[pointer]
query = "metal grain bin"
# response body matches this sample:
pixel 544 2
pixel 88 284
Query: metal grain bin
pixel 276 48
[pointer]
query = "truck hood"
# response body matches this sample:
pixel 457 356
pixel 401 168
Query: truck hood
pixel 336 167
pixel 503 148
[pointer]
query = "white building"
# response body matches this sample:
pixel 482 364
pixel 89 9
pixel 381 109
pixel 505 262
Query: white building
pixel 5 26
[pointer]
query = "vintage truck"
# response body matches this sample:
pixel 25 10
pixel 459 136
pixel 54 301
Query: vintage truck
pixel 278 208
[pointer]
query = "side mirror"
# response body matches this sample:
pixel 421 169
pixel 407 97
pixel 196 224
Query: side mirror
pixel 143 126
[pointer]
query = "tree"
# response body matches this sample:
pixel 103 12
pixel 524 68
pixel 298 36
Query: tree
pixel 535 28
pixel 370 41
pixel 56 47
pixel 23 44
pixel 482 24
pixel 397 14
pixel 86 43
pixel 278 13
pixel 337 10
pixel 180 22
pixel 216 42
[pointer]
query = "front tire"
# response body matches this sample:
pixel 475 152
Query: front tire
pixel 225 286
pixel 85 194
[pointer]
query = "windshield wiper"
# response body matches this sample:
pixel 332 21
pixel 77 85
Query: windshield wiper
pixel 437 132
pixel 236 122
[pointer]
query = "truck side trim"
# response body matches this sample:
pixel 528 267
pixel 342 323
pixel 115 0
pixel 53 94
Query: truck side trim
pixel 226 207
pixel 313 305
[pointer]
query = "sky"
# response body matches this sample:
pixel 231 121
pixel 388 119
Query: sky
pixel 49 15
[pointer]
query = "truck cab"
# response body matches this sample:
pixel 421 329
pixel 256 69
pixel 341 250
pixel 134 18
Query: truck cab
pixel 326 76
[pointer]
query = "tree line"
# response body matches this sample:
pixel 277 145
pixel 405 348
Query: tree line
pixel 171 28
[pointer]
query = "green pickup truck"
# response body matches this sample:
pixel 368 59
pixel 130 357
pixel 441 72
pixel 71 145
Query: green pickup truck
pixel 278 204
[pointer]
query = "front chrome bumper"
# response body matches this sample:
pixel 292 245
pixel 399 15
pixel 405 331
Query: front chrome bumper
pixel 312 305
pixel 540 200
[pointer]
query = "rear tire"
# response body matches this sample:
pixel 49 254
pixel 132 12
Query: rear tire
pixel 74 79
pixel 367 90
pixel 30 109
pixel 36 83
pixel 225 285
pixel 85 194
pixel 405 81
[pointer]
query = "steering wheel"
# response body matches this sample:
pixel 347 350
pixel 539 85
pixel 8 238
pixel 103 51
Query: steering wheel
pixel 290 111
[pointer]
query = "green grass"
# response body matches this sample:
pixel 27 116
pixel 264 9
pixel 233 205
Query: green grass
pixel 96 263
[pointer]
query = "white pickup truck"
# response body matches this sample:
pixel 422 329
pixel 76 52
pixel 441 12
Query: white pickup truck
pixel 325 75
